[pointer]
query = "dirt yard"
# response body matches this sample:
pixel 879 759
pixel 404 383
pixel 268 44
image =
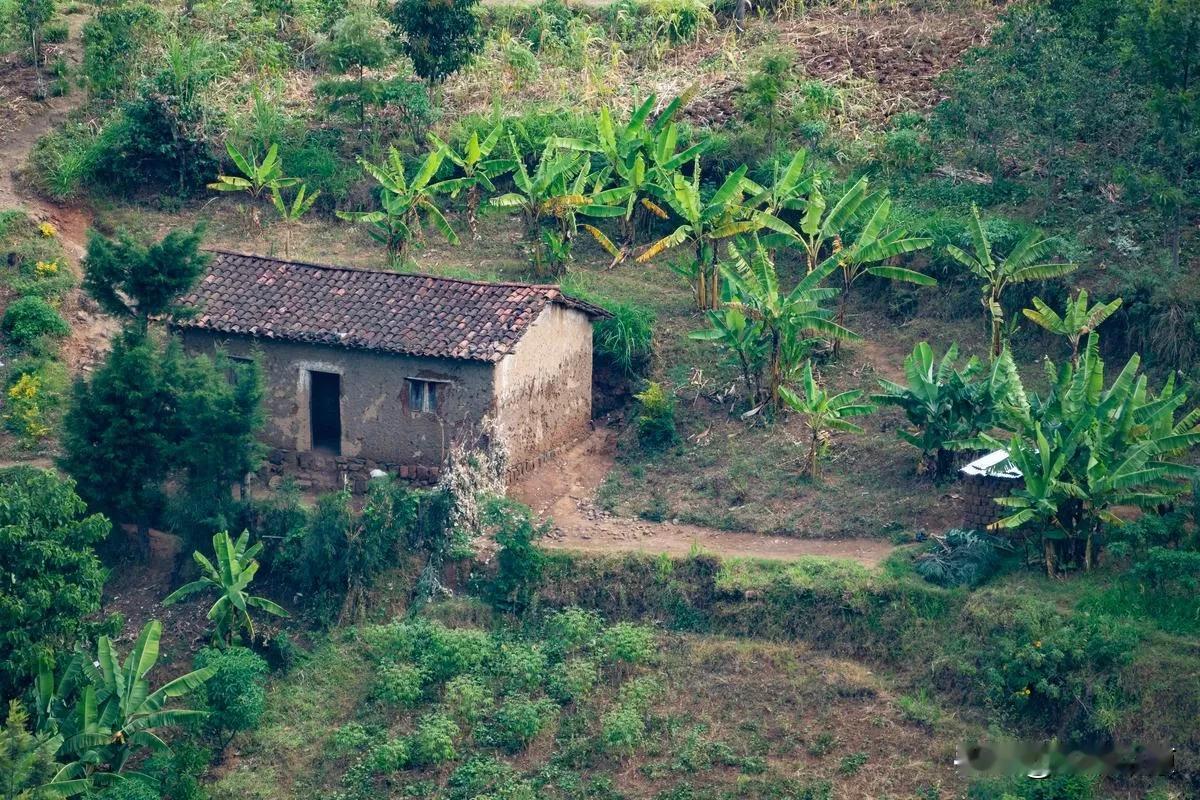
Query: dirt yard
pixel 563 491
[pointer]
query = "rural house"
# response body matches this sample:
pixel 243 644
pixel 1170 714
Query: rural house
pixel 369 369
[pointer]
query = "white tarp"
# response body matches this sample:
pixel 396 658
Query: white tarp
pixel 993 465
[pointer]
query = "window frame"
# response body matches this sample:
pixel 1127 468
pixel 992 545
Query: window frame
pixel 421 390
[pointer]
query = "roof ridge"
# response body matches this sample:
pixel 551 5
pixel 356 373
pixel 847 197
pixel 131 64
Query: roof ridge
pixel 344 268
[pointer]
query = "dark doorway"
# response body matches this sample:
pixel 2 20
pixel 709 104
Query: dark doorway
pixel 325 411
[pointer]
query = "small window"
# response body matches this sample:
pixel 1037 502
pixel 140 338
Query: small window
pixel 423 395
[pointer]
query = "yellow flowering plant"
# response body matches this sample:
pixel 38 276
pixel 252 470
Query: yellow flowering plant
pixel 48 230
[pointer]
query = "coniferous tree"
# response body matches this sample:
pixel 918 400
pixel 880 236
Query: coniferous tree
pixel 135 281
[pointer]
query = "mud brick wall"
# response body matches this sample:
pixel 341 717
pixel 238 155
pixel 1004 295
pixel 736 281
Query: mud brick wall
pixel 979 495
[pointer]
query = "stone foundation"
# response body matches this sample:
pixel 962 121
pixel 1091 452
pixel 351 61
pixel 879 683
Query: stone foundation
pixel 326 472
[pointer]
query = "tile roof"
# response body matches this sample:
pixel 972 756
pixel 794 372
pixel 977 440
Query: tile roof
pixel 395 312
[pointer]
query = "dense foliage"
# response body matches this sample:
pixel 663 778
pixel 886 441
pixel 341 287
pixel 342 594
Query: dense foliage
pixel 52 577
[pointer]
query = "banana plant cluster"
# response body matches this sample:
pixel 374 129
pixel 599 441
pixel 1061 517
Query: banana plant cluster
pixel 1085 449
pixel 404 203
pixel 947 405
pixel 98 711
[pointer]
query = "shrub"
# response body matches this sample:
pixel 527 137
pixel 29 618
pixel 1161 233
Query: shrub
pixel 572 629
pixel 919 709
pixel 393 756
pixel 573 680
pixel 468 698
pixel 656 417
pixel 112 42
pixel 235 695
pixel 622 730
pixel 961 558
pixel 519 562
pixel 1169 586
pixel 1056 670
pixel 521 667
pixel 627 643
pixel 350 738
pixel 24 412
pixel 432 743
pixel 28 319
pixel 488 777
pixel 133 788
pixel 518 722
pixel 852 763
pixel 442 653
pixel 399 685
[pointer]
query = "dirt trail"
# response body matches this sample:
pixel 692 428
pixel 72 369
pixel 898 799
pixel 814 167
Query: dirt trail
pixel 23 121
pixel 564 489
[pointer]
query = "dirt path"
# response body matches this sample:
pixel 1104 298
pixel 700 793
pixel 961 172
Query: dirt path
pixel 23 121
pixel 564 489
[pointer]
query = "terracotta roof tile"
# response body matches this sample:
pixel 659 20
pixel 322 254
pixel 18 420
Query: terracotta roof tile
pixel 421 315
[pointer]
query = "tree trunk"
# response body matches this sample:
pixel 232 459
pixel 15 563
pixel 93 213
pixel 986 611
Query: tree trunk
pixel 1088 553
pixel 997 344
pixel 812 456
pixel 1048 553
pixel 473 211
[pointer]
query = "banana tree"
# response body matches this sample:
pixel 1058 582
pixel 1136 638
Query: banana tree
pixel 257 176
pixel 230 578
pixel 947 405
pixel 397 224
pixel 823 412
pixel 789 190
pixel 478 170
pixel 290 213
pixel 1085 450
pixel 820 228
pixel 780 318
pixel 104 708
pixel 641 152
pixel 1076 321
pixel 1021 265
pixel 704 223
pixel 552 191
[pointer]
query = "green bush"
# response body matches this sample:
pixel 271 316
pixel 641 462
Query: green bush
pixel 521 667
pixel 1055 787
pixel 468 698
pixel 399 685
pixel 234 697
pixel 656 417
pixel 63 161
pixel 432 743
pixel 572 629
pixel 961 558
pixel 572 680
pixel 113 41
pixel 626 643
pixel 519 561
pixel 442 653
pixel 622 730
pixel 28 319
pixel 518 721
pixel 626 338
pixel 349 739
pixel 393 755
pixel 487 777
pixel 1038 665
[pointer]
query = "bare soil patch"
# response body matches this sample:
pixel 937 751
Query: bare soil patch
pixel 563 490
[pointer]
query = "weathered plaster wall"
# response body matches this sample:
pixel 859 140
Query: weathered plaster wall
pixel 376 422
pixel 543 390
